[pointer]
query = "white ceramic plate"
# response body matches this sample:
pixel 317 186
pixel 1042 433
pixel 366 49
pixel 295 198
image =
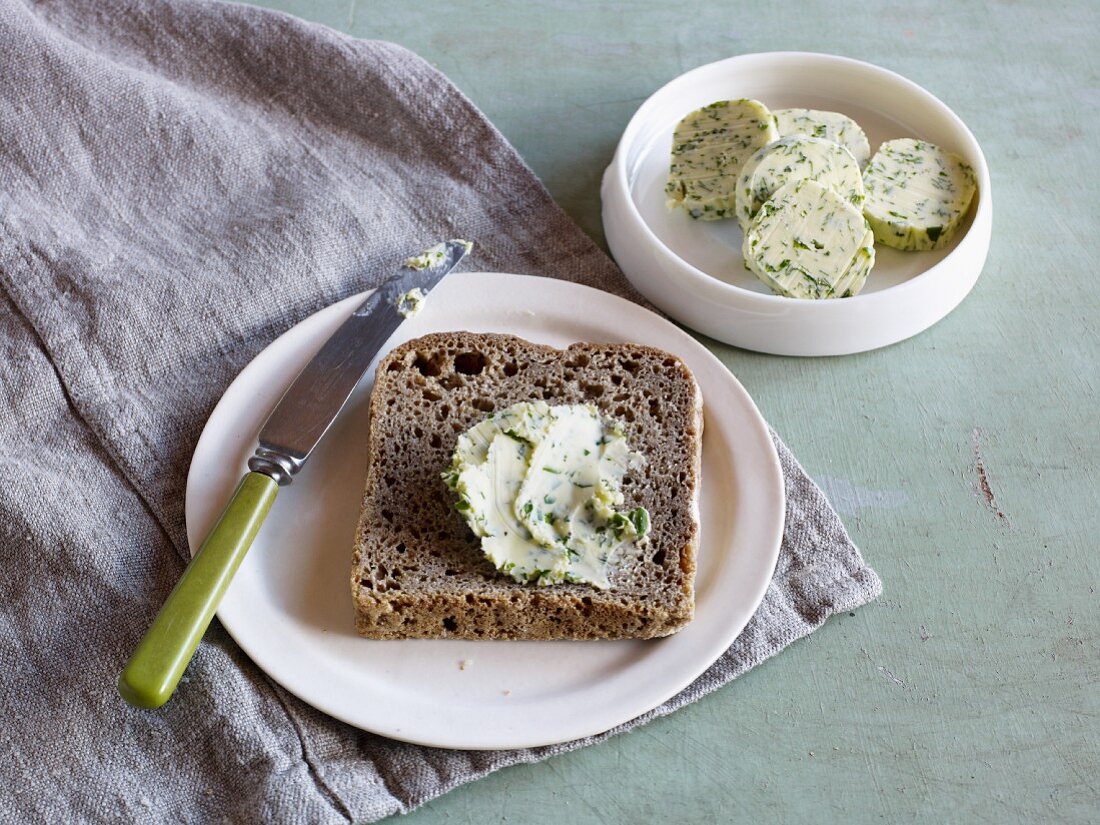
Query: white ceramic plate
pixel 694 270
pixel 290 605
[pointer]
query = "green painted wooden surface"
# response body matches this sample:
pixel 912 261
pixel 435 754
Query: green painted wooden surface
pixel 964 460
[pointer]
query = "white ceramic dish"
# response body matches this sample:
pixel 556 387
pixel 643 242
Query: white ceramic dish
pixel 289 606
pixel 693 270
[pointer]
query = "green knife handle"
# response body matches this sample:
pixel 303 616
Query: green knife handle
pixel 151 675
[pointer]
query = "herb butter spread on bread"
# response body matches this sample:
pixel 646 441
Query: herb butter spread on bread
pixel 418 569
pixel 539 486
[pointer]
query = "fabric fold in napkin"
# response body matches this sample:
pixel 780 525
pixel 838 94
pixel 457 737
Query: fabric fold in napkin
pixel 179 184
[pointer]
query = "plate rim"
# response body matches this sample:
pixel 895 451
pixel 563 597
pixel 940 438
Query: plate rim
pixel 327 315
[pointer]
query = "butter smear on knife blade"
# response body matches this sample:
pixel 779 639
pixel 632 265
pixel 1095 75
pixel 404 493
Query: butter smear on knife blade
pixel 411 302
pixel 435 255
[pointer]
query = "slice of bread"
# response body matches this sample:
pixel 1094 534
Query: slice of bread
pixel 419 571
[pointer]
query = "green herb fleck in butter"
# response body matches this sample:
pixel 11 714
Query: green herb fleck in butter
pixel 411 302
pixel 539 485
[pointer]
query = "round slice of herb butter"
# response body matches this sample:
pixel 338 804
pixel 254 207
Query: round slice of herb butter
pixel 540 485
pixel 808 241
pixel 829 125
pixel 709 146
pixel 791 159
pixel 917 194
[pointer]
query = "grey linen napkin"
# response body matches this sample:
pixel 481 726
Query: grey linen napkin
pixel 179 184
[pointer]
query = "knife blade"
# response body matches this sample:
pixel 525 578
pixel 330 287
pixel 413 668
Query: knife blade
pixel 287 439
pixel 310 405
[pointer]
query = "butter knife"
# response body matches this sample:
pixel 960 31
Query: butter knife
pixel 288 437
